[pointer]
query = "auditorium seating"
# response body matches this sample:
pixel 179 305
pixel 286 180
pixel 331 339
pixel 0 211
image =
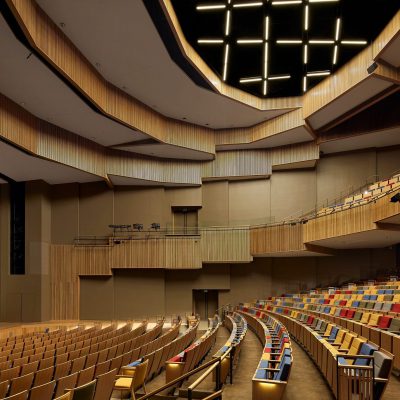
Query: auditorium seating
pixel 373 192
pixel 189 358
pixel 237 325
pixel 97 358
pixel 352 308
pixel 272 374
pixel 344 358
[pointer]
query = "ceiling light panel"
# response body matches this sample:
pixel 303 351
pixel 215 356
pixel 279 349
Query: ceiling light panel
pixel 279 48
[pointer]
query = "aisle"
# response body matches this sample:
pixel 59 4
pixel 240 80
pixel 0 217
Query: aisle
pixel 305 380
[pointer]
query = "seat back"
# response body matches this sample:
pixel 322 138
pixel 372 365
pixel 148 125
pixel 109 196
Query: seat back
pixel 140 375
pixel 84 392
pixel 395 325
pixel 356 345
pixel 43 376
pixel 86 375
pixel 365 318
pixel 105 384
pixel 18 396
pixel 374 319
pixel 382 369
pixel 347 340
pixel 67 382
pixel 21 383
pixel 43 392
pixel 384 322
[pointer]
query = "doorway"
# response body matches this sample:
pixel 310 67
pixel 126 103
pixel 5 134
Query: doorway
pixel 205 302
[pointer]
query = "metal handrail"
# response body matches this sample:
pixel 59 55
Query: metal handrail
pixel 181 378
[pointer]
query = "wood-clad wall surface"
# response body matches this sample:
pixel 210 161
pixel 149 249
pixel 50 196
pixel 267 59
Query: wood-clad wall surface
pixel 276 239
pixel 56 144
pixel 267 129
pixel 68 262
pixel 225 245
pixel 239 163
pixel 353 220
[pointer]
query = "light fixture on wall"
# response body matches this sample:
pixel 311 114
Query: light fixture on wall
pixel 155 226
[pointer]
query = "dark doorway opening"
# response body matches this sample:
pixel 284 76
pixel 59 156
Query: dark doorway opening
pixel 205 302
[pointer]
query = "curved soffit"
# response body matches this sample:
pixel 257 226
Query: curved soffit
pixel 124 45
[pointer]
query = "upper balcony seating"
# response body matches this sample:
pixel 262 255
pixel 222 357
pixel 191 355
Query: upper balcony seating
pixel 373 192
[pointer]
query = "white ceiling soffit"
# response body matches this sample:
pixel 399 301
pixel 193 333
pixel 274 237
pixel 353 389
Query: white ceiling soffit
pixel 296 135
pixel 297 165
pixel 384 138
pixel 126 181
pixel 167 151
pixel 20 167
pixel 391 54
pixel 362 240
pixel 392 220
pixel 28 82
pixel 357 95
pixel 121 37
pixel 299 253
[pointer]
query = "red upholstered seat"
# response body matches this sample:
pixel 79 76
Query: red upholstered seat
pixel 384 322
pixel 350 313
pixel 343 313
pixel 343 302
pixel 396 307
pixel 326 301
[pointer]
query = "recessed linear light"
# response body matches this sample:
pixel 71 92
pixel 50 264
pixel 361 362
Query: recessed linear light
pixel 250 80
pixel 277 77
pixel 265 75
pixel 266 33
pixel 225 71
pixel 265 87
pixel 210 41
pixel 211 7
pixel 337 29
pixel 228 23
pixel 318 73
pixel 286 3
pixel 284 41
pixel 305 54
pixel 335 55
pixel 306 18
pixel 242 5
pixel 304 84
pixel 249 41
pixel 356 42
pixel 321 41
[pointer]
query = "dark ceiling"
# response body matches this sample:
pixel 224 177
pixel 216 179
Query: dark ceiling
pixel 286 73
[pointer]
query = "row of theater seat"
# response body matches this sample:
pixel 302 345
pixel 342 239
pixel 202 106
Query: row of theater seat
pixel 71 373
pixel 237 325
pixel 71 348
pixel 191 357
pixel 272 374
pixel 149 341
pixel 373 192
pixel 335 350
